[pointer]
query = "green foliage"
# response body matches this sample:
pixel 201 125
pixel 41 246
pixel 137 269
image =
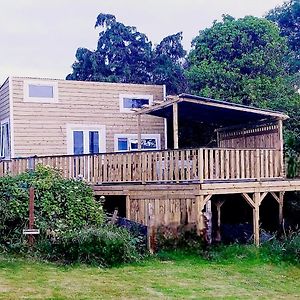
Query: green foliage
pixel 107 245
pixel 125 55
pixel 238 60
pixel 286 249
pixel 167 64
pixel 181 237
pixel 287 16
pixel 60 205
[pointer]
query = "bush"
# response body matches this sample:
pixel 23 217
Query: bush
pixel 106 246
pixel 275 251
pixel 61 205
pixel 179 237
pixel 286 249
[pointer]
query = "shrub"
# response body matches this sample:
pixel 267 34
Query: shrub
pixel 60 205
pixel 179 237
pixel 107 245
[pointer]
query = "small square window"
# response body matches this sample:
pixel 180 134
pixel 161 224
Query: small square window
pixel 128 102
pixel 40 91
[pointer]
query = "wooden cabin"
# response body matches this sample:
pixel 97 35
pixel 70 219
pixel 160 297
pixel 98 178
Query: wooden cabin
pixel 212 148
pixel 58 117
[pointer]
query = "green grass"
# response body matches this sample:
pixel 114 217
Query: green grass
pixel 170 276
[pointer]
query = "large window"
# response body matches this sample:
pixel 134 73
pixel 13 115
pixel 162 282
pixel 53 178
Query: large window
pixel 5 139
pixel 127 102
pixel 40 91
pixel 85 139
pixel 129 142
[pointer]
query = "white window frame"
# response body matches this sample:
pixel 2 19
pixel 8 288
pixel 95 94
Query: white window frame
pixel 3 122
pixel 53 84
pixel 86 129
pixel 134 136
pixel 129 110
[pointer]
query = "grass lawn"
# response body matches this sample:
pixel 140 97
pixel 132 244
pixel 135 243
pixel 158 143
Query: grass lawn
pixel 175 277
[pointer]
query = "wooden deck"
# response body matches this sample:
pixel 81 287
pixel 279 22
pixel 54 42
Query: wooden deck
pixel 169 166
pixel 175 187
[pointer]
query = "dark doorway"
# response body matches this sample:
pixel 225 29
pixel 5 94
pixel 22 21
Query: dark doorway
pixel 115 202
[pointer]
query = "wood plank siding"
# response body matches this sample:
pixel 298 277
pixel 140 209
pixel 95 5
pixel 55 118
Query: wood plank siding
pixel 4 100
pixel 41 128
pixel 260 136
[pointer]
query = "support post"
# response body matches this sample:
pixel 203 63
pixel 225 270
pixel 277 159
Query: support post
pixel 281 195
pixel 208 216
pixel 280 131
pixel 218 233
pixel 256 218
pixel 199 215
pixel 139 133
pixel 175 125
pixel 128 207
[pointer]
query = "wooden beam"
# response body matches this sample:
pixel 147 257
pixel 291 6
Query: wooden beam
pixel 199 215
pixel 218 233
pixel 262 196
pixel 139 132
pixel 207 198
pixel 248 199
pixel 280 131
pixel 127 206
pixel 256 219
pixel 175 125
pixel 280 202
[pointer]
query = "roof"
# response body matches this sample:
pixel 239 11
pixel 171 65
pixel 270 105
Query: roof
pixel 211 110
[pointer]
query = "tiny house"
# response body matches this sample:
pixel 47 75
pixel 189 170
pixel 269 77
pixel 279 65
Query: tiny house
pixel 57 117
pixel 127 141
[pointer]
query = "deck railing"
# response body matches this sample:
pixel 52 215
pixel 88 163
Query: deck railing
pixel 160 166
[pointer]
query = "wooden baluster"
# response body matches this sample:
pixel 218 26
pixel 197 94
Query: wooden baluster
pixel 200 165
pixel 242 163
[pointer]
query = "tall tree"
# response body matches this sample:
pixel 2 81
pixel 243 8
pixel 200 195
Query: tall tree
pixel 287 17
pixel 167 64
pixel 238 60
pixel 125 55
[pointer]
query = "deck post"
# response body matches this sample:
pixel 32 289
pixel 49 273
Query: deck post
pixel 128 207
pixel 175 125
pixel 282 170
pixel 218 233
pixel 281 195
pixel 199 216
pixel 256 218
pixel 139 132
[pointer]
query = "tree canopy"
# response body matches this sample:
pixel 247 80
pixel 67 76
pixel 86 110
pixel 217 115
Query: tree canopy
pixel 124 54
pixel 238 60
pixel 287 17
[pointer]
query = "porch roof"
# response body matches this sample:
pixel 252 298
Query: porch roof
pixel 211 110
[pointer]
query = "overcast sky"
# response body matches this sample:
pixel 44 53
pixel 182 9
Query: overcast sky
pixel 39 38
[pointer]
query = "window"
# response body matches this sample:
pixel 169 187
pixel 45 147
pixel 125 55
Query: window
pixel 129 142
pixel 5 139
pixel 85 139
pixel 127 102
pixel 40 91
